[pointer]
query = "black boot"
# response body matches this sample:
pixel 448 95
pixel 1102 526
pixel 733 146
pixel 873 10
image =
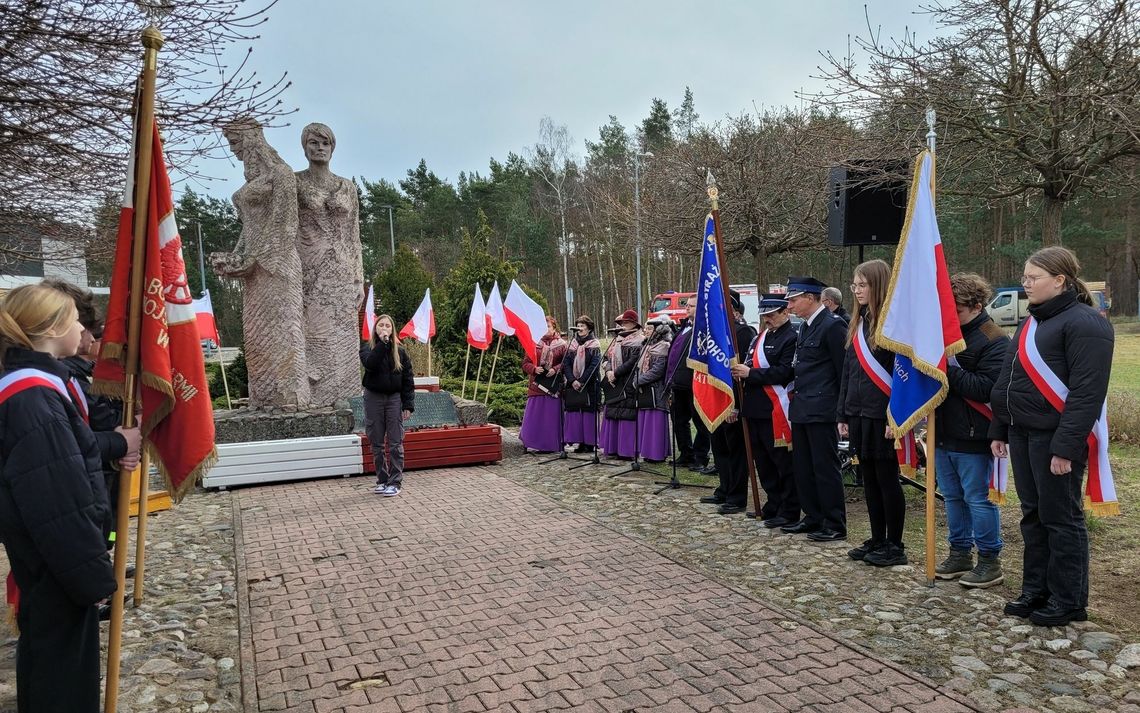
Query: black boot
pixel 1025 605
pixel 1054 614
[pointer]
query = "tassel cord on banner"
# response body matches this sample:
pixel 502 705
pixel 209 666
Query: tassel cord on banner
pixel 152 41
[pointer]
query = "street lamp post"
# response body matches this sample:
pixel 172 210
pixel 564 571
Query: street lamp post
pixel 637 221
pixel 391 229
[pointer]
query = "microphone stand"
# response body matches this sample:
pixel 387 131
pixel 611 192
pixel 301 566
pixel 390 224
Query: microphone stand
pixel 635 466
pixel 673 483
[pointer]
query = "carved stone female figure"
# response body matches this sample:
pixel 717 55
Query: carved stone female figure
pixel 266 259
pixel 329 246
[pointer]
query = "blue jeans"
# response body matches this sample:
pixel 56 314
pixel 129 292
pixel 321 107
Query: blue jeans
pixel 964 479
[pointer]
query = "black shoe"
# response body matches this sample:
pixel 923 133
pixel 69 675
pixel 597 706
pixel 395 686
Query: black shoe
pixel 1054 614
pixel 1025 605
pixel 868 546
pixel 709 470
pixel 774 522
pixel 712 500
pixel 104 612
pixel 681 462
pixel 799 528
pixel 889 555
pixel 697 467
pixel 727 509
pixel 130 571
pixel 827 535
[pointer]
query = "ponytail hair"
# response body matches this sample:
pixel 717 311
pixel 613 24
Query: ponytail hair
pixel 397 365
pixel 1062 262
pixel 31 313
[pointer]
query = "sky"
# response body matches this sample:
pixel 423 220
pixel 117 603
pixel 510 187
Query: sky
pixel 457 83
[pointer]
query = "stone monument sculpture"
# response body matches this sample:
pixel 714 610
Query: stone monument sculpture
pixel 328 241
pixel 267 261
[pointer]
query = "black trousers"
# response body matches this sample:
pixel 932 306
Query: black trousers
pixel 688 448
pixel 732 463
pixel 775 472
pixel 1052 521
pixel 815 459
pixel 886 504
pixel 57 655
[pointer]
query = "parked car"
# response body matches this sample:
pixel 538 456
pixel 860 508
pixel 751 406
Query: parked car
pixel 209 347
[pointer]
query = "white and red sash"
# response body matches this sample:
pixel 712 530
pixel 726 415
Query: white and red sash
pixel 1100 491
pixel 22 379
pixel 778 395
pixel 906 448
pixel 999 470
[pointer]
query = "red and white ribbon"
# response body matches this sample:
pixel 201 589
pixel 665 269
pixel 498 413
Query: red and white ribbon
pixel 906 447
pixel 1100 491
pixel 778 395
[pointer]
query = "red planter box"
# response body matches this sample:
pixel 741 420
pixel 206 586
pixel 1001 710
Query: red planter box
pixel 444 446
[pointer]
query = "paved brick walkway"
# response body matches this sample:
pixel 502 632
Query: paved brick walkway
pixel 471 593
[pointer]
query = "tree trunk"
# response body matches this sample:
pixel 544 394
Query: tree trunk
pixel 1051 221
pixel 760 268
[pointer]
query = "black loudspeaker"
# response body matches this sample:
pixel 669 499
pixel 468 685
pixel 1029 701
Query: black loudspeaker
pixel 868 203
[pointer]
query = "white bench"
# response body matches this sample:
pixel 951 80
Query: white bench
pixel 291 459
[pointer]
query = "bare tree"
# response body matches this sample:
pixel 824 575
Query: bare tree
pixel 67 77
pixel 1034 98
pixel 551 162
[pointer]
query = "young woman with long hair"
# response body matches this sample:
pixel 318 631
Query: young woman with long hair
pixel 1046 401
pixel 389 400
pixel 862 418
pixel 540 430
pixel 53 505
pixel 580 365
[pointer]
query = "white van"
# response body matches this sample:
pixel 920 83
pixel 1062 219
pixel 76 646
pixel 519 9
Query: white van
pixel 1009 306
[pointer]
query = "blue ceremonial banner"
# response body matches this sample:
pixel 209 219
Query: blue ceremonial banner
pixel 711 356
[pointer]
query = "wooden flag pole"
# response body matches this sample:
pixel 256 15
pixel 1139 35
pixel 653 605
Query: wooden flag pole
pixel 931 487
pixel 478 374
pixel 491 378
pixel 152 41
pixel 466 363
pixel 738 389
pixel 225 382
pixel 429 355
pixel 140 536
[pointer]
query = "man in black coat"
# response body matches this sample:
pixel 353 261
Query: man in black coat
pixel 728 439
pixel 817 366
pixel 690 452
pixel 832 298
pixel 765 407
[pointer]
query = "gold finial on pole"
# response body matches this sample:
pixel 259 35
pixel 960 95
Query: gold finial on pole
pixel 713 192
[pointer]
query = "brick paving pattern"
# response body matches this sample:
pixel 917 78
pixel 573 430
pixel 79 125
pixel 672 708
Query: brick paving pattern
pixel 471 593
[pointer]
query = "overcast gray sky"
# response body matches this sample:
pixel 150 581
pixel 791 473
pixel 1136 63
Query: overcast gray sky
pixel 457 83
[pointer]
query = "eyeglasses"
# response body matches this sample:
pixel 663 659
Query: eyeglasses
pixel 856 286
pixel 1027 280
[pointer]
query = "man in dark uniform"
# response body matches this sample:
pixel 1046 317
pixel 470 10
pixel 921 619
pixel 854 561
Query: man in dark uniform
pixel 818 363
pixel 728 439
pixel 690 452
pixel 766 408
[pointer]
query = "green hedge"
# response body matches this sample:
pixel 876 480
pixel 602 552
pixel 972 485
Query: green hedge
pixel 505 405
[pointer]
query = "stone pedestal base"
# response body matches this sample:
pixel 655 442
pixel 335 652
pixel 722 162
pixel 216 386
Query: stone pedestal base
pixel 244 425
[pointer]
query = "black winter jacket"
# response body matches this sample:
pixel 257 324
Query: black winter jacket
pixel 1076 343
pixel 381 378
pixel 651 385
pixel 859 397
pixel 105 414
pixel 624 408
pixel 961 428
pixel 818 369
pixel 779 349
pixel 53 502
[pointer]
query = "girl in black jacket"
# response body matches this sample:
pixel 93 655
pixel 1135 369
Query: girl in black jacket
pixel 1047 443
pixel 389 400
pixel 52 505
pixel 862 418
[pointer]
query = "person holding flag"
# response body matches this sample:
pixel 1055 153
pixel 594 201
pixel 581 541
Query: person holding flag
pixel 541 428
pixel 864 392
pixel 389 400
pixel 53 505
pixel 1050 418
pixel 767 374
pixel 964 464
pixel 817 367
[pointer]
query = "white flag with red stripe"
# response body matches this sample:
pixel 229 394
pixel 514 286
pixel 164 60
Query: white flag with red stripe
pixel 479 322
pixel 369 322
pixel 495 311
pixel 204 312
pixel 422 324
pixel 526 317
